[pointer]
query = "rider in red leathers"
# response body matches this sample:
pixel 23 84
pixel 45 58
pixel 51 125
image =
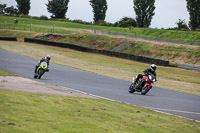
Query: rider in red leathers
pixel 147 72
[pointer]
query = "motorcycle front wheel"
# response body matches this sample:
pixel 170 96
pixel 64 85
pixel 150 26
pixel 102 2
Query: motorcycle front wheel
pixel 131 88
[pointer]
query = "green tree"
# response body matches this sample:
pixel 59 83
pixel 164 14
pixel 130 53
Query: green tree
pixel 144 10
pixel 181 25
pixel 58 8
pixel 23 6
pixel 126 22
pixel 99 9
pixel 2 8
pixel 193 7
pixel 11 10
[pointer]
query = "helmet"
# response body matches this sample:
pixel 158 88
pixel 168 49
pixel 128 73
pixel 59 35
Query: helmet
pixel 153 67
pixel 48 57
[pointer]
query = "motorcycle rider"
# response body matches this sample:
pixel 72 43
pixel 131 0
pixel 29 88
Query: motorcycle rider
pixel 147 72
pixel 44 59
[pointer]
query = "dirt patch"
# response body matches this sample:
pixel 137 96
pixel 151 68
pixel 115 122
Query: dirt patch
pixel 32 86
pixel 53 37
pixel 20 40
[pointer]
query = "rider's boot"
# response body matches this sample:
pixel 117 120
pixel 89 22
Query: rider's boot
pixel 134 82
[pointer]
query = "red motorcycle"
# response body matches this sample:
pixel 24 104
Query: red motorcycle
pixel 143 85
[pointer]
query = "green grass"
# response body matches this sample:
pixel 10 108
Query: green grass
pixel 87 40
pixel 18 34
pixel 6 73
pixel 33 25
pixel 168 34
pixel 28 112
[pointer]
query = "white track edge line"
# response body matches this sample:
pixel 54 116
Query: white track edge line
pixel 171 110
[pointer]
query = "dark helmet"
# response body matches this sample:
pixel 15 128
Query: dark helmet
pixel 153 67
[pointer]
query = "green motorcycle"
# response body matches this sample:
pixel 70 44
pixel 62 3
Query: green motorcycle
pixel 41 70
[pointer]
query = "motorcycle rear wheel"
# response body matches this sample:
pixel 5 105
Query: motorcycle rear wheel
pixel 145 90
pixel 40 73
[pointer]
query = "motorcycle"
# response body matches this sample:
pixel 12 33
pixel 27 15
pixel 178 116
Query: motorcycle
pixel 41 70
pixel 143 85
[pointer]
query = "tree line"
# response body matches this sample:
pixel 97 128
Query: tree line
pixel 144 10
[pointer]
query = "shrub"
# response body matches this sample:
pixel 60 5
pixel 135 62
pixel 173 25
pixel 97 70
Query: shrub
pixel 126 22
pixel 43 17
pixel 104 23
pixel 80 21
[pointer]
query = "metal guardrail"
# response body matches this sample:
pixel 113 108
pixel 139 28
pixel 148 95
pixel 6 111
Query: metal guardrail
pixel 189 66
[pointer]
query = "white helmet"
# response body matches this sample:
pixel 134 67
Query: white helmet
pixel 153 67
pixel 48 57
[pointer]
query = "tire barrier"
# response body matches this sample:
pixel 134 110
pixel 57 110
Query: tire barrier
pixel 103 52
pixel 8 38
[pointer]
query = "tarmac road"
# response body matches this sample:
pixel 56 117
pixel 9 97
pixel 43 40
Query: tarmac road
pixel 160 99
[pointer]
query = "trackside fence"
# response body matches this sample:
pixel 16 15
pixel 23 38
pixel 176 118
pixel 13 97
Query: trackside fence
pixel 35 28
pixel 174 41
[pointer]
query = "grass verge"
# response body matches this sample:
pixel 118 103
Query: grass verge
pixel 28 112
pixel 172 78
pixel 6 73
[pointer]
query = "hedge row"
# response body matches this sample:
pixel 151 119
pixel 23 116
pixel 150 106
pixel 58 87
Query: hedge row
pixel 104 52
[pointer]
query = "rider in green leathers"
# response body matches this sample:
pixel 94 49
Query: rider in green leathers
pixel 45 59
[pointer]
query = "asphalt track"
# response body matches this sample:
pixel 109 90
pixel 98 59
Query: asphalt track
pixel 160 99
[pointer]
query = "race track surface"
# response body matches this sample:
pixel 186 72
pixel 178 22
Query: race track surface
pixel 160 99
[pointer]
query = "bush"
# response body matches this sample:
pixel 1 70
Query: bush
pixel 181 25
pixel 64 20
pixel 24 16
pixel 34 17
pixel 43 17
pixel 81 21
pixel 126 22
pixel 104 23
